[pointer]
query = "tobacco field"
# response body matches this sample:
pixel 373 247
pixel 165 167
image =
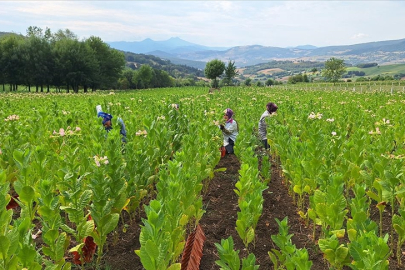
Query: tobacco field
pixel 71 194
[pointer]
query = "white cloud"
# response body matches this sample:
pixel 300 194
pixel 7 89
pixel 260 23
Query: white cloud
pixel 214 23
pixel 359 36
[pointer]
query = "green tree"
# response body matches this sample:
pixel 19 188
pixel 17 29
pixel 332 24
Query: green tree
pixel 214 69
pixel 334 69
pixel 162 79
pixel 110 63
pixel 38 62
pixel 314 70
pixel 12 60
pixel 248 82
pixel 143 76
pixel 269 82
pixel 230 73
pixel 76 63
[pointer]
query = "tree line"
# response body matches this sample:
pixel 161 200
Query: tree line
pixel 43 59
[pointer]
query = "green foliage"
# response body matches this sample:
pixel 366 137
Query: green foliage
pixel 334 69
pixel 229 258
pixel 143 77
pixel 250 200
pixel 230 73
pixel 135 61
pixel 58 59
pixel 380 71
pixel 330 206
pixel 348 143
pixel 247 82
pixel 366 65
pixel 369 252
pixel 288 256
pixel 269 82
pixel 298 78
pixel 398 222
pixel 265 170
pixel 214 69
pixel 337 254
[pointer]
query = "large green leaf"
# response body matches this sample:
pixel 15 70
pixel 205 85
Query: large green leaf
pixel 109 223
pixel 4 245
pixel 27 194
pixel 148 255
pixel 86 229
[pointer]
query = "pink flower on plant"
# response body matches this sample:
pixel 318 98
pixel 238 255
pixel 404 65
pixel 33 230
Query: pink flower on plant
pixel 313 116
pixel 100 160
pixel 141 133
pixel 13 117
pixel 376 132
pixel 61 132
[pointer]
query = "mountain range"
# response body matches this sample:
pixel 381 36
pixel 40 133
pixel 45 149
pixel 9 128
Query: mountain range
pixel 179 51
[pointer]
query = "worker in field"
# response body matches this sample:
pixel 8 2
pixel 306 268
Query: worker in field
pixel 107 123
pixel 230 131
pixel 271 109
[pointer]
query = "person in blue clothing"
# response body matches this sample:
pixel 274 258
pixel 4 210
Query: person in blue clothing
pixel 107 123
pixel 230 131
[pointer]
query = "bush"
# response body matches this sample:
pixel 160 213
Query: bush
pixel 367 65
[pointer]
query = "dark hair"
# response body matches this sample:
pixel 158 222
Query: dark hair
pixel 271 107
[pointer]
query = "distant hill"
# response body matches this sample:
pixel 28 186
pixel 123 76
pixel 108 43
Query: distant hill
pixel 381 52
pixel 179 61
pixel 6 33
pixel 172 45
pixel 183 58
pixel 281 70
pixel 291 66
pixel 383 70
pixel 135 61
pixel 306 47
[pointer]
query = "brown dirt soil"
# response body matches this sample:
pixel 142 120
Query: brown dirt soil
pixel 219 221
pixel 222 202
pixel 270 71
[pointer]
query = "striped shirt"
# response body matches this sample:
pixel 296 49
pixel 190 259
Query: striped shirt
pixel 263 126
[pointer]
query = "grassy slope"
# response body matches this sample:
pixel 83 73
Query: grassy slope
pixel 383 70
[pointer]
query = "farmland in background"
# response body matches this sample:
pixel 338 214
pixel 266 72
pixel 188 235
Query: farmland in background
pixel 381 70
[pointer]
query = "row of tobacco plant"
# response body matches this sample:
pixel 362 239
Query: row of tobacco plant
pixel 342 153
pixel 64 182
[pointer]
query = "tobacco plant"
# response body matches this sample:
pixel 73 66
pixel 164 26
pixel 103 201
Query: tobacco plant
pixel 229 258
pixel 398 222
pixel 287 256
pixel 336 253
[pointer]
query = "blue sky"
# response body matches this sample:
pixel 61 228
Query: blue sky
pixel 214 23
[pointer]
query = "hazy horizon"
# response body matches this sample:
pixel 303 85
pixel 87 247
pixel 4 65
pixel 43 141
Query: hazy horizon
pixel 214 23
